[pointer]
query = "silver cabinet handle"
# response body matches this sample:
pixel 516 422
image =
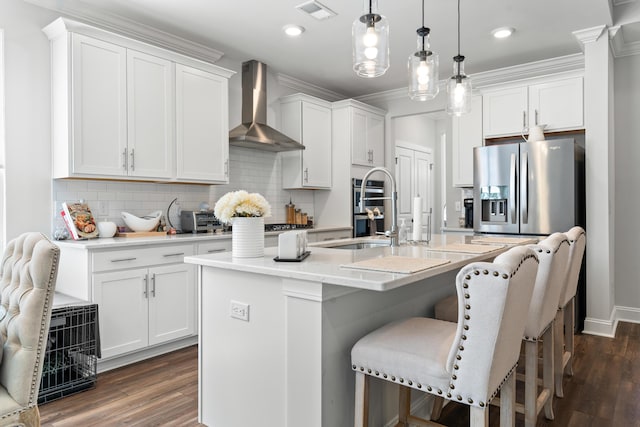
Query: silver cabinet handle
pixel 176 254
pixel 146 286
pixel 512 188
pixel 535 117
pixel 123 259
pixel 124 159
pixel 524 120
pixel 524 188
pixel 210 251
pixel 133 159
pixel 226 167
pixel 306 174
pixel 153 285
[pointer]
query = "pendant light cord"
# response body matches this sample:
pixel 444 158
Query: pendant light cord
pixel 423 49
pixel 458 63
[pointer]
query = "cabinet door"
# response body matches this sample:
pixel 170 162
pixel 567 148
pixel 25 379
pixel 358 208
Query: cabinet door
pixel 505 112
pixel 99 91
pixel 150 112
pixel 375 139
pixel 467 134
pixel 123 310
pixel 172 302
pixel 558 104
pixel 202 126
pixel 316 137
pixel 360 154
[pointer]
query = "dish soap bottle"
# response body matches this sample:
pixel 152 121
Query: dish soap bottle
pixel 402 232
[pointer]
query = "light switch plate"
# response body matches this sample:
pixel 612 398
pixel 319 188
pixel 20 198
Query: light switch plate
pixel 458 206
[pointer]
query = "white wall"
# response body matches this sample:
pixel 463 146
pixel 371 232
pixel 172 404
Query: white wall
pixel 627 182
pixel 27 101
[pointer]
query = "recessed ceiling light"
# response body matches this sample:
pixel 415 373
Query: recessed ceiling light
pixel 293 30
pixel 503 32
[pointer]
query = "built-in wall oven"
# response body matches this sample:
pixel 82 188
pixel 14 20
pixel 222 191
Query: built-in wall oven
pixel 362 225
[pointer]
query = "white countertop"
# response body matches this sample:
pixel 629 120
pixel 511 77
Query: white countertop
pixel 116 242
pixel 324 264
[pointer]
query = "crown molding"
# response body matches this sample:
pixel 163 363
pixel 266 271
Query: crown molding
pixel 308 88
pixel 619 46
pixel 132 29
pixel 589 35
pixel 562 64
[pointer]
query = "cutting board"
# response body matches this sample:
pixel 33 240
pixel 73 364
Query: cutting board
pixel 397 264
pixel 467 248
pixel 141 234
pixel 505 240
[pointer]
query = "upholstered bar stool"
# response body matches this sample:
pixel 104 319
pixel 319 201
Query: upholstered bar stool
pixel 27 280
pixel 553 253
pixel 468 361
pixel 563 334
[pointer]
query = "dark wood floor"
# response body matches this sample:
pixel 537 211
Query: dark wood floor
pixel 604 392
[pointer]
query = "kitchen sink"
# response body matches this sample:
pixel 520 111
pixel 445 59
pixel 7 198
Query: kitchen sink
pixel 362 245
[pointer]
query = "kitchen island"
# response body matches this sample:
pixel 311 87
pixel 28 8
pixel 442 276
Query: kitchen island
pixel 275 337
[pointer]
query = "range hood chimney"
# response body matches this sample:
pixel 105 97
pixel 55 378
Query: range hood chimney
pixel 254 132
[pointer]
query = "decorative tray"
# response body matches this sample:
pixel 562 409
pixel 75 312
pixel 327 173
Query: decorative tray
pixel 298 259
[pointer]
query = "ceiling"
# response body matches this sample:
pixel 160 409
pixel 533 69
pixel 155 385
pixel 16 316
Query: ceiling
pixel 252 29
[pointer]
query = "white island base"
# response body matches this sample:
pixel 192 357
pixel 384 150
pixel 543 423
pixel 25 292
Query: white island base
pixel 289 364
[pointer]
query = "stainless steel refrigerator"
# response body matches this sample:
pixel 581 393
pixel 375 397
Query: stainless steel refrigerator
pixel 532 188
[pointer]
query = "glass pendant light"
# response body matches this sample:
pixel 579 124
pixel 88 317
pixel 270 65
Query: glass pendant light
pixel 370 34
pixel 423 67
pixel 459 85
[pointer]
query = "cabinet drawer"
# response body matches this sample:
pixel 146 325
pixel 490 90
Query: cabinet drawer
pixel 214 247
pixel 140 257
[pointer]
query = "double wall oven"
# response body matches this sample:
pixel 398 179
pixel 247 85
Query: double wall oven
pixel 362 225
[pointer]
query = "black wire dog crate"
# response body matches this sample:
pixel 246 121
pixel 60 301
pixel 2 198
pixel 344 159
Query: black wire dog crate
pixel 73 348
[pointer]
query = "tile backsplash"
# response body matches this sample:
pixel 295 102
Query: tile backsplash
pixel 252 170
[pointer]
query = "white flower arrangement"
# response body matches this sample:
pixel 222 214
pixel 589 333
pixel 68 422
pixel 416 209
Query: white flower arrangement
pixel 241 204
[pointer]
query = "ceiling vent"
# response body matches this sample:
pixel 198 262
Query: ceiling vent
pixel 316 10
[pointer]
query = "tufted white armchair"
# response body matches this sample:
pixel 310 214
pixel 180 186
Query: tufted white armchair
pixel 27 280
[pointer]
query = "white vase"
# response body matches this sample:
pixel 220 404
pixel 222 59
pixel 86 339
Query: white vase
pixel 247 237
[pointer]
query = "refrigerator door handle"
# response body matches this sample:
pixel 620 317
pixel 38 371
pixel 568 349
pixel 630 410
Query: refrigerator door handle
pixel 512 189
pixel 524 186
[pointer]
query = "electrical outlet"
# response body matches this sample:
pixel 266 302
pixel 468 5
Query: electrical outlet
pixel 239 310
pixel 458 206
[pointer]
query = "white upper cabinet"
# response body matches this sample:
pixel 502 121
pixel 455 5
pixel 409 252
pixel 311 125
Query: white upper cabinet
pixel 556 103
pixel 202 125
pixel 98 139
pixel 306 119
pixel 367 138
pixel 363 127
pixel 115 109
pixel 466 134
pixel 150 112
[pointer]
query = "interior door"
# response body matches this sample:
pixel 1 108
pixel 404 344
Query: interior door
pixel 414 176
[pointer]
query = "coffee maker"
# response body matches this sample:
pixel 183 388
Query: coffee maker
pixel 468 213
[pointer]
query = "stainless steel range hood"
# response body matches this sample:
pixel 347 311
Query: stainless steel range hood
pixel 254 132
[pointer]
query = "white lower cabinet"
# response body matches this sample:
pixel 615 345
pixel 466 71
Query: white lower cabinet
pixel 141 307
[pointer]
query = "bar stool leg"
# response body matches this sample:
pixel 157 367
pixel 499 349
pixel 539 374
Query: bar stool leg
pixel 569 313
pixel 479 417
pixel 508 402
pixel 404 406
pixel 558 351
pixel 361 418
pixel 530 383
pixel 548 371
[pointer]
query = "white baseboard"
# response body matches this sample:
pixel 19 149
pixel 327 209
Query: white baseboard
pixel 627 314
pixel 607 328
pixel 127 359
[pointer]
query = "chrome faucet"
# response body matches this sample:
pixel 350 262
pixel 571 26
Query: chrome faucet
pixel 393 233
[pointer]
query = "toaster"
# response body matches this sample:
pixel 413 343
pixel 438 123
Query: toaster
pixel 199 222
